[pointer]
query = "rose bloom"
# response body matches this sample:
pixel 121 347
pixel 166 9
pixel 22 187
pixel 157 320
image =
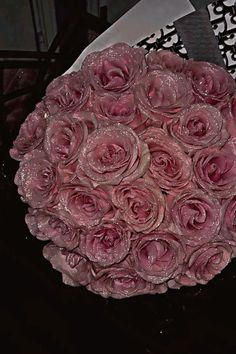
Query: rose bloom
pixel 111 109
pixel 215 170
pixel 211 83
pixel 115 69
pixel 84 206
pixel 196 216
pixel 199 126
pixel 121 281
pixel 67 93
pixel 165 60
pixel 158 256
pixel 31 134
pixel 113 154
pixel 46 225
pixel 37 180
pixel 163 94
pixel 106 243
pixel 207 261
pixel 170 167
pixel 141 204
pixel 75 269
pixel 229 219
pixel 64 136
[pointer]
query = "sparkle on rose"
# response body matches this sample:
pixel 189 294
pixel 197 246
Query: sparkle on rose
pixel 113 154
pixel 141 204
pixel 116 68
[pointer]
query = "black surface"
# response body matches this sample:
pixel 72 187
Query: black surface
pixel 40 315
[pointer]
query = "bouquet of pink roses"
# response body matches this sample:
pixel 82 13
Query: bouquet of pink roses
pixel 129 168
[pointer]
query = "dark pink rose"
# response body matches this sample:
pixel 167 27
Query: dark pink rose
pixel 229 219
pixel 84 206
pixel 75 269
pixel 106 243
pixel 141 204
pixel 196 216
pixel 37 180
pixel 46 225
pixel 163 94
pixel 165 60
pixel 158 256
pixel 115 68
pixel 111 109
pixel 170 167
pixel 208 261
pixel 113 154
pixel 211 83
pixel 199 126
pixel 31 134
pixel 215 170
pixel 67 93
pixel 121 281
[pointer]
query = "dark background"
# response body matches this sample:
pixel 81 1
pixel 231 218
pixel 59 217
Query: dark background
pixel 40 315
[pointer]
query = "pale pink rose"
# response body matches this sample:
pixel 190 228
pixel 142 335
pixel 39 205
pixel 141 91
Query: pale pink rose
pixel 165 60
pixel 31 134
pixel 84 206
pixel 75 269
pixel 215 170
pixel 162 94
pixel 67 93
pixel 141 204
pixel 208 261
pixel 111 109
pixel 113 154
pixel 115 68
pixel 158 256
pixel 37 180
pixel 121 281
pixel 199 126
pixel 197 216
pixel 211 83
pixel 170 167
pixel 107 243
pixel 46 225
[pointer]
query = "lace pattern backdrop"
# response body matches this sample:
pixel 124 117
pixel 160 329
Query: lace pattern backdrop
pixel 222 14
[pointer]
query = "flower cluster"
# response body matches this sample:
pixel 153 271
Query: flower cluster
pixel 129 168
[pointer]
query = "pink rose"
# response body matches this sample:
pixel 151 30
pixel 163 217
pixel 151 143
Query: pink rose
pixel 170 167
pixel 141 204
pixel 67 93
pixel 111 109
pixel 121 281
pixel 215 170
pixel 113 154
pixel 46 225
pixel 163 94
pixel 211 83
pixel 75 269
pixel 84 206
pixel 165 60
pixel 106 243
pixel 64 136
pixel 37 180
pixel 199 126
pixel 158 256
pixel 229 219
pixel 196 216
pixel 115 68
pixel 207 261
pixel 31 134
